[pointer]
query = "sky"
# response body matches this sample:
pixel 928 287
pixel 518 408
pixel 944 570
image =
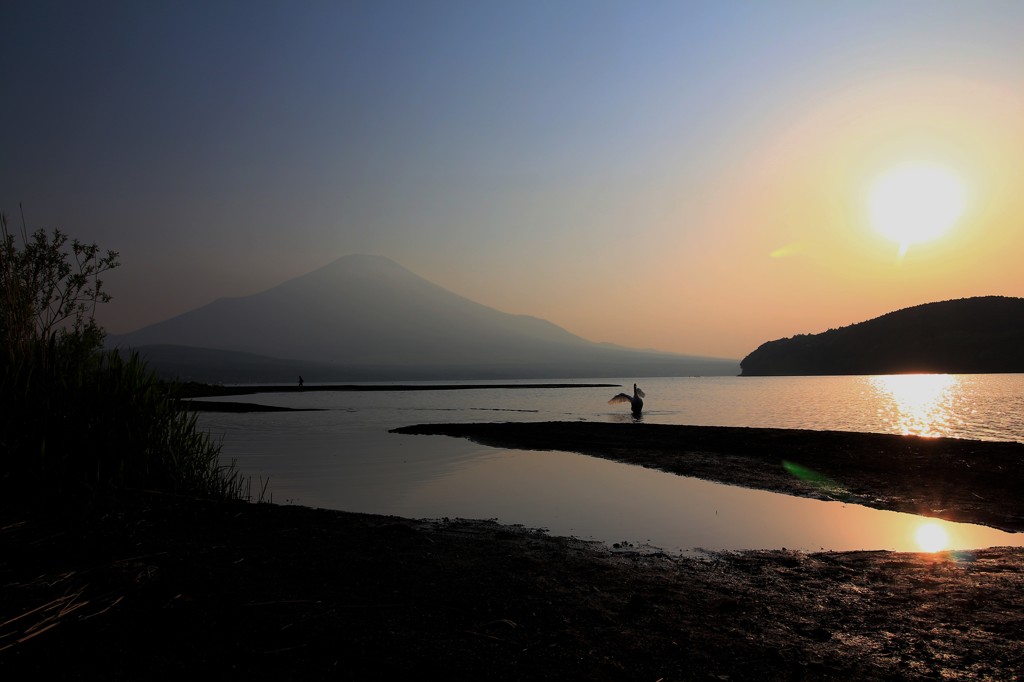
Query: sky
pixel 684 176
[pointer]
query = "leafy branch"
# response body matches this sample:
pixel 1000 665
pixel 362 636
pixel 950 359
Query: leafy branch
pixel 48 291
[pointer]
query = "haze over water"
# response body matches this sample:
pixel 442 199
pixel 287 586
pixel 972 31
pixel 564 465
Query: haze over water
pixel 344 457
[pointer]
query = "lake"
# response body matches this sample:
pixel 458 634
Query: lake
pixel 343 457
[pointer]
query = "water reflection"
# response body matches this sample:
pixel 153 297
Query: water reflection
pixel 345 458
pixel 917 404
pixel 572 494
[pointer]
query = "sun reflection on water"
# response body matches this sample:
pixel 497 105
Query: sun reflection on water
pixel 917 404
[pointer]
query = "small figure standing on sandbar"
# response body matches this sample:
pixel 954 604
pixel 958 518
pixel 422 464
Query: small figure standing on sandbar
pixel 301 381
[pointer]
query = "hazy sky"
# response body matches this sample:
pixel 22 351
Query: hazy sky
pixel 692 177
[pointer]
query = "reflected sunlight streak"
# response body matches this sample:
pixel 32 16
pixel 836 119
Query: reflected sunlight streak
pixel 917 404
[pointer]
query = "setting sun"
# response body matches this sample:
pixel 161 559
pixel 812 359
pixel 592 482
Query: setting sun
pixel 931 537
pixel 916 203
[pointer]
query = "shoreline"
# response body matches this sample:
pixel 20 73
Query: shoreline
pixel 146 586
pixel 187 393
pixel 953 479
pixel 226 406
pixel 197 390
pixel 157 587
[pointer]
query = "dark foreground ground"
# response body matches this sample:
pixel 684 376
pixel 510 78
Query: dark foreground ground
pixel 151 587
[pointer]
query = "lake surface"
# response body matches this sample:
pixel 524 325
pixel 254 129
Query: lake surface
pixel 344 457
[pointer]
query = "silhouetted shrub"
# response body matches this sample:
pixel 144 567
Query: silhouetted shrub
pixel 73 419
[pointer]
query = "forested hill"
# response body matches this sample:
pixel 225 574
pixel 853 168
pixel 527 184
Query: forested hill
pixel 964 336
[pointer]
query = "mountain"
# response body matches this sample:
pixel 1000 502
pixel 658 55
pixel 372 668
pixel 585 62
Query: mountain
pixel 964 336
pixel 367 318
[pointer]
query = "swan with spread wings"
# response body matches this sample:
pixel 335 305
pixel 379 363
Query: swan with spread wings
pixel 636 401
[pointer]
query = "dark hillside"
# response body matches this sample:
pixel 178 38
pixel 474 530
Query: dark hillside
pixel 964 336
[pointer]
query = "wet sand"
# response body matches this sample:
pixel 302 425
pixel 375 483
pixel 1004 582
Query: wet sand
pixel 197 390
pixel 189 391
pixel 952 479
pixel 145 586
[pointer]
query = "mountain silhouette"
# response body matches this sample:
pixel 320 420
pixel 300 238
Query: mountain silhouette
pixel 367 317
pixel 964 336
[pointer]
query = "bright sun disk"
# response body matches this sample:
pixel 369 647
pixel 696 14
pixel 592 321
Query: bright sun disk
pixel 916 203
pixel 931 537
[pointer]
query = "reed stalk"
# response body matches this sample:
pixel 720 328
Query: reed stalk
pixel 75 420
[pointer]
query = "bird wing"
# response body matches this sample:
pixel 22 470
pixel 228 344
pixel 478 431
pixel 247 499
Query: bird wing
pixel 621 398
pixel 640 392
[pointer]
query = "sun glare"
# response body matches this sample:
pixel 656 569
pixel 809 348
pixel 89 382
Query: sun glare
pixel 931 537
pixel 917 404
pixel 916 203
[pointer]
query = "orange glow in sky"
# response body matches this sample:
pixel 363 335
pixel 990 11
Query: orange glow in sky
pixel 800 247
pixel 694 177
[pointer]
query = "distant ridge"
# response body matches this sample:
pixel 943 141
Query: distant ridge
pixel 365 318
pixel 963 336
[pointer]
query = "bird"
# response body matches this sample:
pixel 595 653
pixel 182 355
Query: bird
pixel 636 401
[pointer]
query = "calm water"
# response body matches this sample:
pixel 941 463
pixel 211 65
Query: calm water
pixel 344 457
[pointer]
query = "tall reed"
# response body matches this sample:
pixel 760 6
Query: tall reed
pixel 73 419
pixel 76 422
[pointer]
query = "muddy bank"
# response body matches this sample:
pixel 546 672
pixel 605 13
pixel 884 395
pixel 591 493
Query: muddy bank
pixel 160 588
pixel 198 390
pixel 225 406
pixel 953 479
pixel 156 587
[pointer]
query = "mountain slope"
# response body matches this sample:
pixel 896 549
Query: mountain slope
pixel 359 309
pixel 368 312
pixel 971 335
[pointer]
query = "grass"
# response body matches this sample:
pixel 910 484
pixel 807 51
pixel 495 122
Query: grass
pixel 76 423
